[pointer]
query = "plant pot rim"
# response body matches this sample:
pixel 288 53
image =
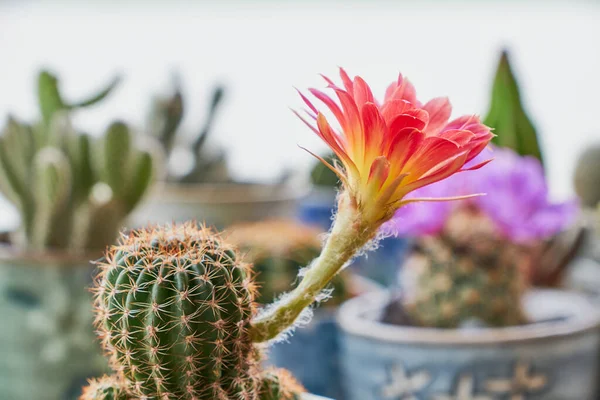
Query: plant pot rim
pixel 16 255
pixel 584 318
pixel 229 193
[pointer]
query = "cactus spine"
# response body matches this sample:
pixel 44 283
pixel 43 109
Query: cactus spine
pixel 72 191
pixel 278 250
pixel 164 120
pixel 173 308
pixel 456 278
pixel 279 384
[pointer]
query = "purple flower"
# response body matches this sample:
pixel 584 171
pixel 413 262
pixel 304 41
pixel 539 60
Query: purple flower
pixel 516 200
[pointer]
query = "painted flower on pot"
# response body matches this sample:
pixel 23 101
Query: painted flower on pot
pixel 474 256
pixel 386 150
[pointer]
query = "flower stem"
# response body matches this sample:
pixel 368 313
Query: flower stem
pixel 348 235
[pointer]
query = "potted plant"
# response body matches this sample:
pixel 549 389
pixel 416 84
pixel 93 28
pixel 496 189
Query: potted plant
pixel 464 322
pixel 163 291
pixel 72 192
pixel 202 188
pixel 278 250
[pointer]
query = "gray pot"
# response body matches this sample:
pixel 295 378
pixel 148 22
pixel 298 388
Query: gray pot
pixel 219 205
pixel 554 359
pixel 47 343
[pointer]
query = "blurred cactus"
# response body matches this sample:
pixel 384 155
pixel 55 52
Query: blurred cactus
pixel 466 275
pixel 278 250
pixel 173 307
pixel 321 175
pixel 507 116
pixel 51 101
pixel 72 191
pixel 164 122
pixel 587 177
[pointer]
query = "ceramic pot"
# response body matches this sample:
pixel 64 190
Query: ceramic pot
pixel 312 352
pixel 219 205
pixel 47 343
pixel 554 358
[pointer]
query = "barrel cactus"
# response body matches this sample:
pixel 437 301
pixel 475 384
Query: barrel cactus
pixel 278 249
pixel 587 177
pixel 174 307
pixel 73 191
pixel 466 275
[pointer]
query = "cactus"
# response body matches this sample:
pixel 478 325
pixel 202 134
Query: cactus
pixel 72 191
pixel 106 388
pixel 164 122
pixel 463 276
pixel 279 384
pixel 507 115
pixel 51 101
pixel 173 308
pixel 587 177
pixel 278 249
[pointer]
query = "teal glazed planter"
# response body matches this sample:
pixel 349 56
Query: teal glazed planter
pixel 47 343
pixel 555 358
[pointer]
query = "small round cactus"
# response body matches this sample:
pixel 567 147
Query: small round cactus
pixel 106 388
pixel 173 310
pixel 278 250
pixel 466 275
pixel 279 384
pixel 587 177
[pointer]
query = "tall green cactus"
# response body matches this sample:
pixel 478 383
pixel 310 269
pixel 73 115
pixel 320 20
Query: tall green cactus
pixel 164 120
pixel 507 116
pixel 174 307
pixel 73 191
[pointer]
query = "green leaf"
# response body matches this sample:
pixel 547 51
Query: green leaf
pixel 507 115
pixel 101 95
pixel 49 98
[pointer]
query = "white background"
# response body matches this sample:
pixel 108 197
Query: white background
pixel 261 50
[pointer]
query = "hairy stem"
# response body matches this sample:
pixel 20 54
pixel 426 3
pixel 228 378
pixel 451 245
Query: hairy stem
pixel 348 235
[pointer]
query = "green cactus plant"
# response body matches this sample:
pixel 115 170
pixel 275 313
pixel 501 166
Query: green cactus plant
pixel 450 288
pixel 465 276
pixel 278 249
pixel 279 384
pixel 51 101
pixel 174 307
pixel 73 191
pixel 164 120
pixel 587 177
pixel 507 115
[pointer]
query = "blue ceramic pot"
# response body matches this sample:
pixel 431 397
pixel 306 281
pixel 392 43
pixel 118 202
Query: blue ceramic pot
pixel 380 265
pixel 553 359
pixel 312 355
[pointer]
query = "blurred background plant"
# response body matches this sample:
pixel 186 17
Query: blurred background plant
pixel 73 192
pixel 164 124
